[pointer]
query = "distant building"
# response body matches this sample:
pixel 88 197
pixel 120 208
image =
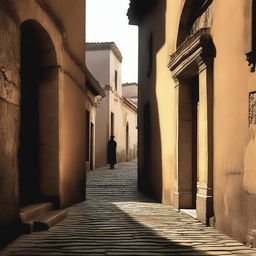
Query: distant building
pixel 116 115
pixel 130 91
pixel 94 95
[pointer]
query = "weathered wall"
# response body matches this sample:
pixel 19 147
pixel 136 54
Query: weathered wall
pixel 234 140
pixel 71 17
pixel 70 59
pixel 9 121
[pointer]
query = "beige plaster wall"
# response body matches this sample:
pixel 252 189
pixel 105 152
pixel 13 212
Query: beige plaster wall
pixel 117 107
pixel 123 115
pixel 234 140
pixel 115 65
pixel 72 143
pixel 130 117
pixel 92 109
pixel 130 90
pixel 98 63
pixel 102 132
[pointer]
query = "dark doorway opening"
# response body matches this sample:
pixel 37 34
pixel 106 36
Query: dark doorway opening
pixel 92 147
pixel 188 142
pixel 87 142
pixel 195 102
pixel 127 142
pixel 38 147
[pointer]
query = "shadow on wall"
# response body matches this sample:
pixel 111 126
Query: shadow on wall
pixel 151 40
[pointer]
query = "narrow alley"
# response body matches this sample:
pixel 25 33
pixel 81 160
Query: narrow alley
pixel 118 220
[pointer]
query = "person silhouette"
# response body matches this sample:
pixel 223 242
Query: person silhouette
pixel 112 152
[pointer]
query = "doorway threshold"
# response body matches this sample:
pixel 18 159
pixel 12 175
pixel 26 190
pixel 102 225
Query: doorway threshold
pixel 190 212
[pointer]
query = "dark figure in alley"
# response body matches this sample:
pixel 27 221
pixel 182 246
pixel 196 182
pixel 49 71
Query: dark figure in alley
pixel 112 152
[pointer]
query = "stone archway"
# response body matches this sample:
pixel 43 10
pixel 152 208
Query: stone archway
pixel 39 116
pixel 192 12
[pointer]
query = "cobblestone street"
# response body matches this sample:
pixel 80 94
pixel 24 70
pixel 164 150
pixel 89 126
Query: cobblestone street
pixel 117 220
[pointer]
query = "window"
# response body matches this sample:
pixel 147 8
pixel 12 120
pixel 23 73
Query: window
pixel 112 131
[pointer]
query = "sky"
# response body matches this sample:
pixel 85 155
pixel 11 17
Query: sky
pixel 106 21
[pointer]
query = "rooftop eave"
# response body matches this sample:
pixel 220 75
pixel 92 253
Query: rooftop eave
pixel 98 46
pixel 130 104
pixel 93 85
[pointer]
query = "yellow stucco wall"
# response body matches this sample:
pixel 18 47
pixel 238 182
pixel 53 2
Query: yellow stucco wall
pixel 233 139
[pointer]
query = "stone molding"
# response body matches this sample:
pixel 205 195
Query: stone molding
pixel 195 52
pixel 129 104
pixel 99 46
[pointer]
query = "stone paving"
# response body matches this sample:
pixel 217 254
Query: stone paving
pixel 116 220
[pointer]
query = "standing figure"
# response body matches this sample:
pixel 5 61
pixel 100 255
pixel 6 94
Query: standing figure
pixel 112 152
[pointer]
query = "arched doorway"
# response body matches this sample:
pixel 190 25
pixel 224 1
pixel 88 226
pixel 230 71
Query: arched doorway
pixel 193 74
pixel 189 19
pixel 39 142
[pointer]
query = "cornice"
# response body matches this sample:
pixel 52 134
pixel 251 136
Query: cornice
pixel 99 46
pixel 130 84
pixel 129 104
pixel 196 51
